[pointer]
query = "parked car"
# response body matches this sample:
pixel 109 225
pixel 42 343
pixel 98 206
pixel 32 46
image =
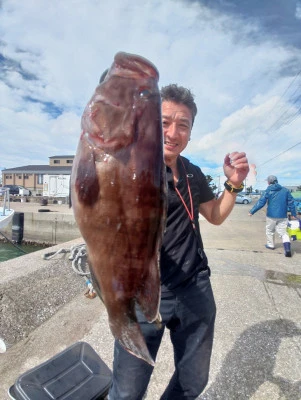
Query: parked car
pixel 15 190
pixel 297 202
pixel 243 199
pixel 2 190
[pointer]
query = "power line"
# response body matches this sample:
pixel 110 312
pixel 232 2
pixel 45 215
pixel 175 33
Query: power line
pixel 273 158
pixel 295 77
pixel 290 118
pixel 286 114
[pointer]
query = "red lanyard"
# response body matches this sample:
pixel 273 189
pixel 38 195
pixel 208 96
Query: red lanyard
pixel 190 213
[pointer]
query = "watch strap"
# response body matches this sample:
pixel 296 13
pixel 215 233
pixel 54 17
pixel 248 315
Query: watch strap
pixel 232 189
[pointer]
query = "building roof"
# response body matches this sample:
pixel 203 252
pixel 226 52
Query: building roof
pixel 62 157
pixel 39 169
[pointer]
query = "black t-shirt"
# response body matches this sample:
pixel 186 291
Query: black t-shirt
pixel 180 255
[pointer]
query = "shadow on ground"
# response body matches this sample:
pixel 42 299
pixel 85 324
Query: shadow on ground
pixel 251 363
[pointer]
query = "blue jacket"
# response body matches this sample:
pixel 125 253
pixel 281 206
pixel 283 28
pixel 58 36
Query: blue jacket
pixel 279 200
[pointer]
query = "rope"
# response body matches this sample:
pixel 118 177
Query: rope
pixel 52 254
pixel 79 258
pixel 14 244
pixel 78 255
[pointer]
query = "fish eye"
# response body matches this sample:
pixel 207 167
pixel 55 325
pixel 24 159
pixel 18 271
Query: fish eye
pixel 144 93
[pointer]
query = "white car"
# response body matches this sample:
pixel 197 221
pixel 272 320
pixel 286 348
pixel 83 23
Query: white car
pixel 243 199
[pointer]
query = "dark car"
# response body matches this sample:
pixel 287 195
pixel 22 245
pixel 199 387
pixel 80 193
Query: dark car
pixel 15 190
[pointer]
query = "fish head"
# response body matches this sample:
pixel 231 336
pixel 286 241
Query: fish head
pixel 128 92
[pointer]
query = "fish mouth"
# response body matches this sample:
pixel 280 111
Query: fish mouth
pixel 99 141
pixel 132 64
pixel 104 101
pixel 99 130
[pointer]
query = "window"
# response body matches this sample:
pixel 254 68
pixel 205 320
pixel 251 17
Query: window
pixel 69 161
pixel 40 179
pixel 56 161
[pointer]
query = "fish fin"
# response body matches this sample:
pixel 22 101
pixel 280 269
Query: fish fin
pixel 149 295
pixel 127 331
pixel 158 321
pixel 133 341
pixel 86 183
pixel 125 327
pixel 95 283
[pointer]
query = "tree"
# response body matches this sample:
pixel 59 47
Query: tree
pixel 211 183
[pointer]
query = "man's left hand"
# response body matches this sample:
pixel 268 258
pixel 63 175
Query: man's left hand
pixel 236 167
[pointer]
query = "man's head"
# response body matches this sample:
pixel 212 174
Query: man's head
pixel 178 112
pixel 272 179
pixel 180 95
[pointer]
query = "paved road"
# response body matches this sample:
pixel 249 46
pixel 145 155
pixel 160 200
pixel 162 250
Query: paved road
pixel 35 206
pixel 257 347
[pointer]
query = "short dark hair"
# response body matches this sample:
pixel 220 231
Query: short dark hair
pixel 103 75
pixel 180 95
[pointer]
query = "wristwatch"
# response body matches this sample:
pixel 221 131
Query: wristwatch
pixel 228 185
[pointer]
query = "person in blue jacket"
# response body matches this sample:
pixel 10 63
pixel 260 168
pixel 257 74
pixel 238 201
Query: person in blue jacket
pixel 279 201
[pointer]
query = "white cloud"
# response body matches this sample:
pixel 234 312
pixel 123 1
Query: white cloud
pixel 62 47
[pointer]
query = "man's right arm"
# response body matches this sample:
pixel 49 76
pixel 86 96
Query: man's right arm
pixel 260 203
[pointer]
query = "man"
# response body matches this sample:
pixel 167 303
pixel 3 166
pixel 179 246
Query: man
pixel 187 304
pixel 279 201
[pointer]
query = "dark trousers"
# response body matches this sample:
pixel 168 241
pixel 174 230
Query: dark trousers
pixel 190 316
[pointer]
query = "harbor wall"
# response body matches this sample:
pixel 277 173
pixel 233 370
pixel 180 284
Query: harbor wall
pixel 47 227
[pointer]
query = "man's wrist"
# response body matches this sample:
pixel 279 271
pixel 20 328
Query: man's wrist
pixel 233 189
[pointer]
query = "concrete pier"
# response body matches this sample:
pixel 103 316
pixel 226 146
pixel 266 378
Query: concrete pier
pixel 53 223
pixel 257 347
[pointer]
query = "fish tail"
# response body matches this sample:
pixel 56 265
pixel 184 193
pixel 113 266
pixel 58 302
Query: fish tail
pixel 133 341
pixel 127 331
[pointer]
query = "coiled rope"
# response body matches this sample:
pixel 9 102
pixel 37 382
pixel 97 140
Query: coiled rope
pixel 79 258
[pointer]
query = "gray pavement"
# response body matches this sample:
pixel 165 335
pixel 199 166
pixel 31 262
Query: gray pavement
pixel 257 347
pixel 35 206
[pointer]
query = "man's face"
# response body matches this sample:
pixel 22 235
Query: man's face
pixel 177 124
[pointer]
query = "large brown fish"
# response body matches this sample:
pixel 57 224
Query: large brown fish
pixel 119 196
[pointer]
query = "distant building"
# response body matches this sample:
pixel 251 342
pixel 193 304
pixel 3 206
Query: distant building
pixel 31 176
pixel 291 188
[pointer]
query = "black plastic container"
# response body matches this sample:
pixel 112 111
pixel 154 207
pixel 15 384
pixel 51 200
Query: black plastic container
pixel 77 373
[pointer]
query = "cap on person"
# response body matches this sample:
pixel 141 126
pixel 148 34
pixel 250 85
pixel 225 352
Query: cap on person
pixel 272 179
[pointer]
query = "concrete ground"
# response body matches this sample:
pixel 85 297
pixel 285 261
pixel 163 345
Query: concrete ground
pixel 257 347
pixel 35 206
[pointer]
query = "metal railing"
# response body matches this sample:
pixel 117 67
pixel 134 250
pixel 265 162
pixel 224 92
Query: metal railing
pixel 6 200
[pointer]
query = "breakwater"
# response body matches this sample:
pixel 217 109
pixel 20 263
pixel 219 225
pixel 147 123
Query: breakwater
pixel 49 225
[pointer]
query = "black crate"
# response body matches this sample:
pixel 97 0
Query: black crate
pixel 77 373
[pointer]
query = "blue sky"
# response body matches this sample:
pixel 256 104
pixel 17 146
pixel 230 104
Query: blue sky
pixel 241 59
